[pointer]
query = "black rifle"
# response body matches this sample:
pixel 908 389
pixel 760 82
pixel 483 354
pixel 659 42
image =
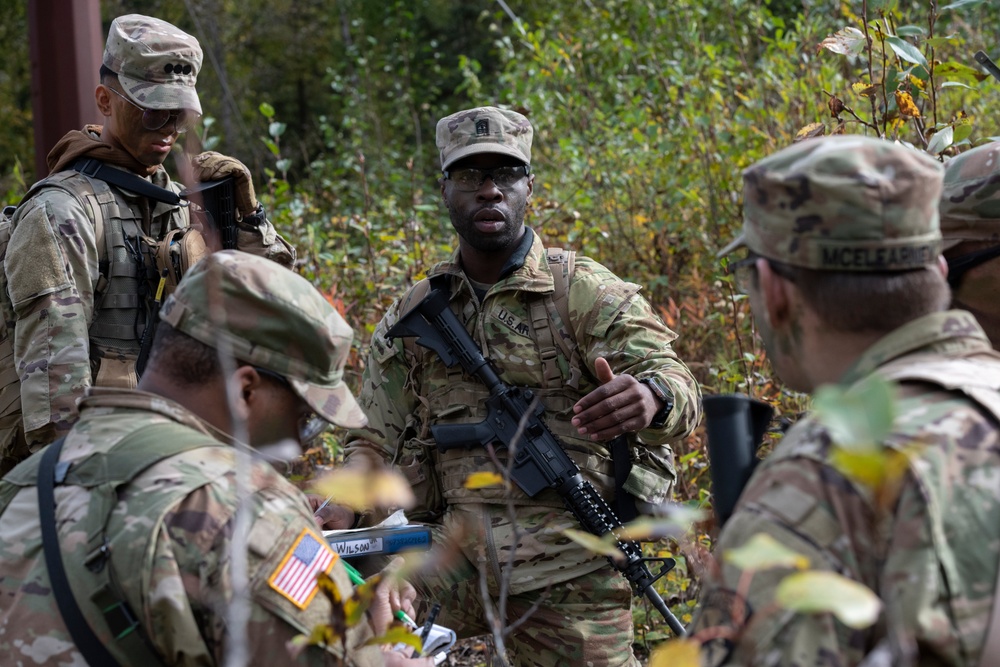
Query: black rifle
pixel 216 199
pixel 988 64
pixel 735 425
pixel 540 462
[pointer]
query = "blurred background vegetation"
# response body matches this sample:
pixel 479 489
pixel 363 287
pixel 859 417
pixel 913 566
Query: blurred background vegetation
pixel 645 113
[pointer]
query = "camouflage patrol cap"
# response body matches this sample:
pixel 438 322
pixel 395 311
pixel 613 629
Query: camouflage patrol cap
pixel 156 63
pixel 843 203
pixel 970 203
pixel 273 318
pixel 483 130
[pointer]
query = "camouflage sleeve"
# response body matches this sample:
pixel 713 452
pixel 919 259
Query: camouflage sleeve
pixel 384 398
pixel 813 510
pixel 51 268
pixel 617 323
pixel 264 241
pixel 190 589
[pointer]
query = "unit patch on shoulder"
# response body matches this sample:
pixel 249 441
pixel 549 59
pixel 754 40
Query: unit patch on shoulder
pixel 295 576
pixel 511 321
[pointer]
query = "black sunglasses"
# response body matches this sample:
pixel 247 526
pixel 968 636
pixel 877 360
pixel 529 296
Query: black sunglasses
pixel 470 180
pixel 310 424
pixel 959 266
pixel 154 119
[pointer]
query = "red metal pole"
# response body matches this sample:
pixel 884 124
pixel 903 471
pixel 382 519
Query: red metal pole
pixel 66 47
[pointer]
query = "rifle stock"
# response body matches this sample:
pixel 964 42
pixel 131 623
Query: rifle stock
pixel 735 424
pixel 514 421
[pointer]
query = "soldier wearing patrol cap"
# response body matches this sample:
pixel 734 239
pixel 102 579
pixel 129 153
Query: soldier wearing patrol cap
pixel 601 363
pixel 78 292
pixel 970 226
pixel 147 497
pixel 845 281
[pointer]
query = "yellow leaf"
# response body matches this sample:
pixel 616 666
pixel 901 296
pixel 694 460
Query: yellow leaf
pixel 396 634
pixel 919 83
pixel 482 480
pixel 813 592
pixel 809 131
pixel 763 552
pixel 864 89
pixel 676 653
pixel 597 545
pixel 366 490
pixel 906 105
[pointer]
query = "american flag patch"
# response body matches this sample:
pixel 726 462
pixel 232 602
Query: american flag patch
pixel 295 577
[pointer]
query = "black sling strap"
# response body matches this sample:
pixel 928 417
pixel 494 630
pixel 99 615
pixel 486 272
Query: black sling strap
pixel 94 652
pixel 621 457
pixel 123 179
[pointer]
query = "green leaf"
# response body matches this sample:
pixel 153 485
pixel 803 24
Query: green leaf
pixel 954 69
pixel 906 51
pixel 267 110
pixel 276 129
pixel 941 140
pixel 763 552
pixel 956 84
pixel 813 592
pixel 962 132
pixel 860 416
pixel 910 31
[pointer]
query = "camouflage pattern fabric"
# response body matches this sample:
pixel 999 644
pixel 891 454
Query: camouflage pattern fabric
pixel 53 270
pixel 156 63
pixel 843 203
pixel 484 130
pixel 970 202
pixel 931 557
pixel 173 566
pixel 406 390
pixel 582 624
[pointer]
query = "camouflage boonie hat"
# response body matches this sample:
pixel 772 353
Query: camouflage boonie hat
pixel 970 203
pixel 843 203
pixel 273 318
pixel 156 63
pixel 483 130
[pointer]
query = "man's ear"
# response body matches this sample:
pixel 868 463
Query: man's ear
pixel 248 383
pixel 776 293
pixel 103 97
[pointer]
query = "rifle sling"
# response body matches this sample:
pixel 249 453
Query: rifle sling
pixel 126 181
pixel 94 652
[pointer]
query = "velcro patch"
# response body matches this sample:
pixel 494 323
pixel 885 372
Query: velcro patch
pixel 295 576
pixel 511 321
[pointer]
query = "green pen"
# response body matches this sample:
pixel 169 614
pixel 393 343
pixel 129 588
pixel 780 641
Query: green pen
pixel 357 580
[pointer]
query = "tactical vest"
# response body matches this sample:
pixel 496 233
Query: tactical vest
pixel 438 478
pixel 114 565
pixel 122 297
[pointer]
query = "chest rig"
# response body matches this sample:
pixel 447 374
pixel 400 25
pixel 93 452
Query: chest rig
pixel 133 244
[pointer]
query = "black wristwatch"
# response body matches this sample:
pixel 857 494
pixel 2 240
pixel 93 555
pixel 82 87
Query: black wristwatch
pixel 255 219
pixel 662 392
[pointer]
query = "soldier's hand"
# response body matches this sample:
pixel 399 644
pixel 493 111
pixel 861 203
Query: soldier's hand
pixel 212 166
pixel 332 516
pixel 620 405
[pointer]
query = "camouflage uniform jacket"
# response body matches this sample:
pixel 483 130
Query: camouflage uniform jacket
pixel 170 537
pixel 929 552
pixel 77 313
pixel 407 388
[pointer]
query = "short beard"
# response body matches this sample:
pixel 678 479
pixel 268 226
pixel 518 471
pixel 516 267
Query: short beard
pixel 489 243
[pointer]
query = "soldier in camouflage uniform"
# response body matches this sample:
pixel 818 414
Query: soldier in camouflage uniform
pixel 616 376
pixel 845 280
pixel 75 299
pixel 157 467
pixel 970 226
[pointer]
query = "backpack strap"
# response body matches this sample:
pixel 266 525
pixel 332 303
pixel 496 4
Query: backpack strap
pixel 551 322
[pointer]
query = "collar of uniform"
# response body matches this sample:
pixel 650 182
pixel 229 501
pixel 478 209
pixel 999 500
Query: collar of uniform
pixel 951 330
pixel 133 399
pixel 526 270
